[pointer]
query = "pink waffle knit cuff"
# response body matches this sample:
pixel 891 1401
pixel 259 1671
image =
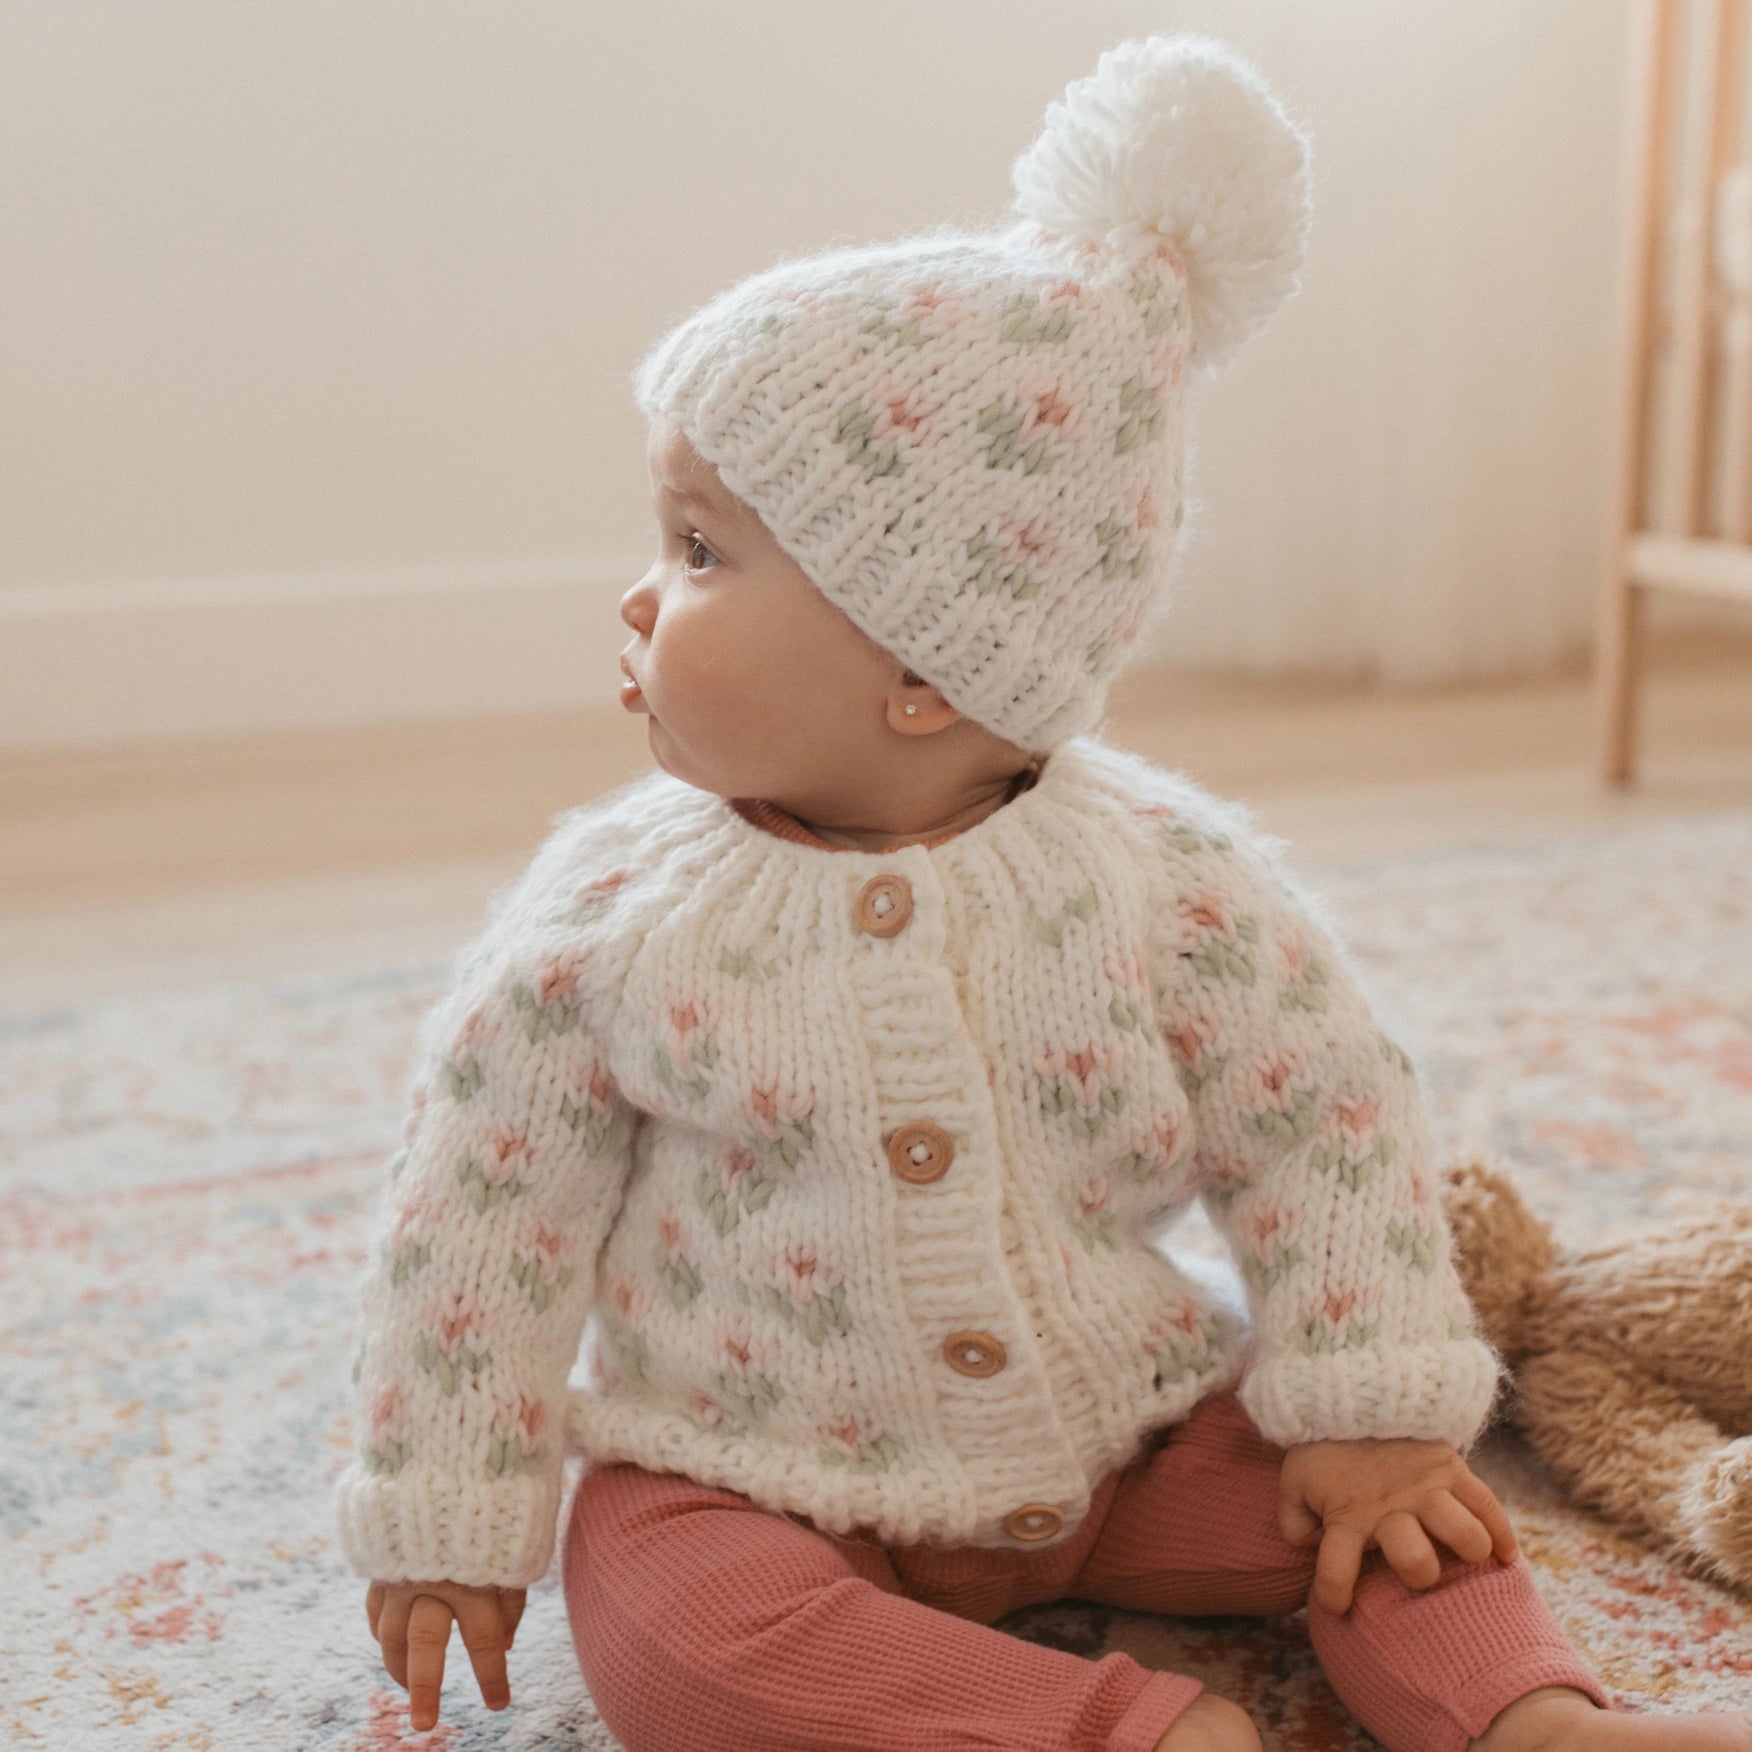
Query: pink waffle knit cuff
pixel 1153 1712
pixel 1493 1691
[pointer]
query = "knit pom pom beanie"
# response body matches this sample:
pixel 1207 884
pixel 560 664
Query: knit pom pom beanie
pixel 973 444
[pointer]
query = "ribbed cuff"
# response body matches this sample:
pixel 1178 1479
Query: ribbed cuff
pixel 433 1529
pixel 1153 1712
pixel 1441 1392
pixel 1493 1691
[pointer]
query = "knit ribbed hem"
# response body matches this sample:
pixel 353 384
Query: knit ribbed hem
pixel 1493 1691
pixel 1431 1392
pixel 1153 1712
pixel 430 1529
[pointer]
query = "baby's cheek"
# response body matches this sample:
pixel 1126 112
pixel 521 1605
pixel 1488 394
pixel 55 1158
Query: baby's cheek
pixel 749 674
pixel 689 667
pixel 718 696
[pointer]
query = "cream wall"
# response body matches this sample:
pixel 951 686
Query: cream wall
pixel 318 315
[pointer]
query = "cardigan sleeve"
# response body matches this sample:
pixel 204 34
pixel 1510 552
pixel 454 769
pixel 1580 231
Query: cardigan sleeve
pixel 481 1272
pixel 1312 1151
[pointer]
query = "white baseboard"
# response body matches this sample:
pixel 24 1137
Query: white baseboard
pixel 163 658
pixel 106 663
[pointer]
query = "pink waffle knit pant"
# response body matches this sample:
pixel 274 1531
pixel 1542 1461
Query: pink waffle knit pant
pixel 704 1623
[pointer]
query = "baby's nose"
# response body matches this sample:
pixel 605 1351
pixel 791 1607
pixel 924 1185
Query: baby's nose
pixel 638 608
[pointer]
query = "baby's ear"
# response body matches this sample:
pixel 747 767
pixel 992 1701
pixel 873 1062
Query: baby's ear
pixel 915 706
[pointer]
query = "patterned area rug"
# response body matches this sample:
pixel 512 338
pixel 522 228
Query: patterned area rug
pixel 187 1186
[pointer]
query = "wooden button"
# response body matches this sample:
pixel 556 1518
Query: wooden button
pixel 885 903
pixel 921 1152
pixel 1033 1521
pixel 974 1353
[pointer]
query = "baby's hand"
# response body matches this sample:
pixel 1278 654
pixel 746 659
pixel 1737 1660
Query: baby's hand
pixel 1351 1495
pixel 411 1621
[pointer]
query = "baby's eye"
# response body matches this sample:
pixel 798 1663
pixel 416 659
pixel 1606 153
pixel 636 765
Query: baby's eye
pixel 694 541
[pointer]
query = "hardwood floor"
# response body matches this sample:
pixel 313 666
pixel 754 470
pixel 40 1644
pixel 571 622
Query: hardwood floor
pixel 135 868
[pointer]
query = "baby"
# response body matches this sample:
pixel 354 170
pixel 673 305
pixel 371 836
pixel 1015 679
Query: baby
pixel 845 1069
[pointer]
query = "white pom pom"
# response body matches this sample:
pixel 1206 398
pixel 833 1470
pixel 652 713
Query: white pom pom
pixel 1179 137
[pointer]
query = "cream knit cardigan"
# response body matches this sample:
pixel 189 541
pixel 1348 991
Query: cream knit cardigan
pixel 671 1086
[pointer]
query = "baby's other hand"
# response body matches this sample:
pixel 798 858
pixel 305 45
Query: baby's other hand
pixel 1395 1494
pixel 411 1621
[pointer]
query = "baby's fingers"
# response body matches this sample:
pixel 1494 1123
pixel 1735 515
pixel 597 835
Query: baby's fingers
pixel 483 1635
pixel 428 1636
pixel 1335 1570
pixel 1481 1500
pixel 1406 1547
pixel 392 1637
pixel 1456 1526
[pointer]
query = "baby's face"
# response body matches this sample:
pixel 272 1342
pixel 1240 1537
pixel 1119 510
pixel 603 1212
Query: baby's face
pixel 756 685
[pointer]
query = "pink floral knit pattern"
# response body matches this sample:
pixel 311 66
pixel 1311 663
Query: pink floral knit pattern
pixel 663 1091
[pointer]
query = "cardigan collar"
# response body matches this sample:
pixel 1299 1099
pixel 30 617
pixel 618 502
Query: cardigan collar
pixel 769 816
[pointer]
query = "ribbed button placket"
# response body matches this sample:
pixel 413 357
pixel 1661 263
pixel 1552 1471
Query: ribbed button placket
pixel 922 1059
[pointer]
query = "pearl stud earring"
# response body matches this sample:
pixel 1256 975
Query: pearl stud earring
pixel 910 710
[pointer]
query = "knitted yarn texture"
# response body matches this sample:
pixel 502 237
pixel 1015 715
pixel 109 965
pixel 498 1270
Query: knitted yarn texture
pixel 973 444
pixel 857 1159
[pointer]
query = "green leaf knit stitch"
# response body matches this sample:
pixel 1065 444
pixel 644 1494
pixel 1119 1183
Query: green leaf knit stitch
pixel 853 429
pixel 1141 418
pixel 1021 322
pixel 1002 421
